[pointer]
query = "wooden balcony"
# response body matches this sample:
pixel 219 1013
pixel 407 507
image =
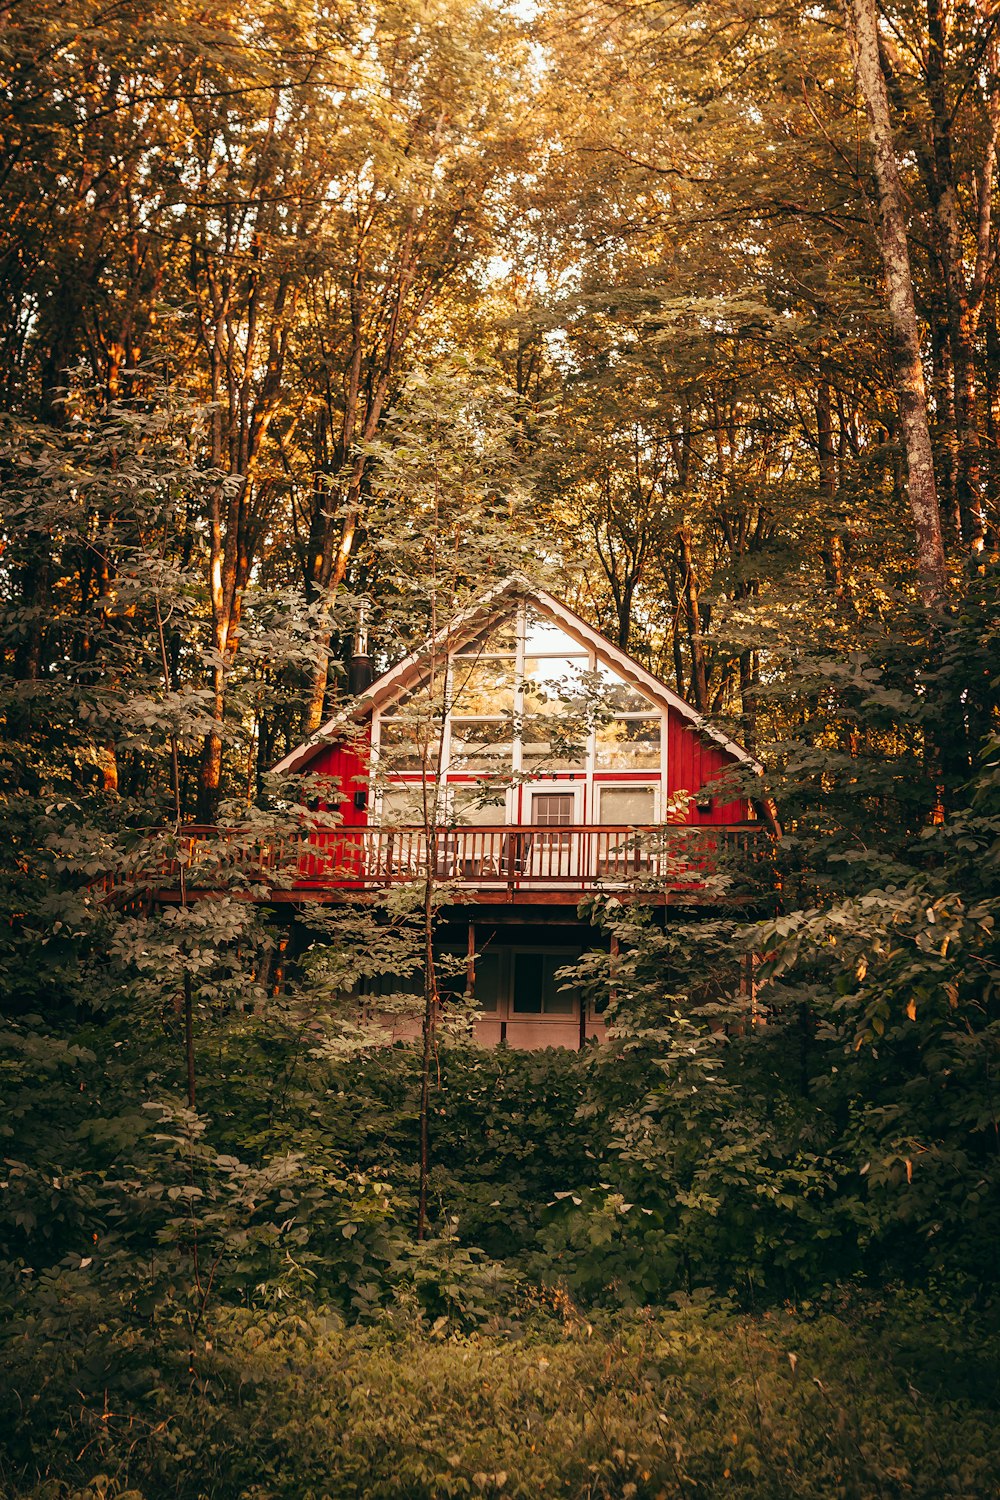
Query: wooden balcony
pixel 489 864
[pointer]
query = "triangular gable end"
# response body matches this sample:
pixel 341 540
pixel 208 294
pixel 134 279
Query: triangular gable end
pixel 484 615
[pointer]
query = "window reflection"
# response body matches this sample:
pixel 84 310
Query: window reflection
pixel 628 744
pixel 405 746
pixel 417 705
pixel 496 640
pixel 543 637
pixel 482 687
pixel 483 806
pixel 556 698
pixel 481 744
pixel 557 678
pixel 552 744
pixel 618 696
pixel 403 806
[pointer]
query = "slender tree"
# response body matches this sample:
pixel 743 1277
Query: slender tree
pixel 907 360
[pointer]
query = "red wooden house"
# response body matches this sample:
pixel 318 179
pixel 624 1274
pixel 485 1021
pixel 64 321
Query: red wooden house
pixel 524 761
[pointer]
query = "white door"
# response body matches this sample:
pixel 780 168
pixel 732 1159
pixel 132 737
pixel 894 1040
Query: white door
pixel 553 855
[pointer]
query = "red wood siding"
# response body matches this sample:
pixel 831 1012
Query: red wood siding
pixel 694 761
pixel 350 768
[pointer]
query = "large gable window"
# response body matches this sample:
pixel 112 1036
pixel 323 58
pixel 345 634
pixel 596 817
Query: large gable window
pixel 523 698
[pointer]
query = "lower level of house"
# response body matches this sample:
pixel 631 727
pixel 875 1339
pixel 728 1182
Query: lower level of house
pixel 510 973
pixel 508 981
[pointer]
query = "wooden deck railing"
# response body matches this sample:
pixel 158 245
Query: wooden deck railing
pixel 585 857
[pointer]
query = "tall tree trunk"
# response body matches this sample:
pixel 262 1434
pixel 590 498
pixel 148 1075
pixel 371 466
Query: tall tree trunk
pixel 911 391
pixel 969 471
pixel 943 385
pixel 675 631
pixel 749 678
pixel 210 765
pixel 992 403
pixel 221 584
pixel 699 673
pixel 331 572
pixel 964 297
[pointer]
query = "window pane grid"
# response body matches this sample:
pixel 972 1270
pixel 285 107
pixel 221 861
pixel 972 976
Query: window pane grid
pixel 541 721
pixel 552 809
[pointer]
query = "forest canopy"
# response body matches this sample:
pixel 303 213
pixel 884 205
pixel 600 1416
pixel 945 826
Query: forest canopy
pixel 317 322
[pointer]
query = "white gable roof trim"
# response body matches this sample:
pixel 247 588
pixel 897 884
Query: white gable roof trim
pixel 391 684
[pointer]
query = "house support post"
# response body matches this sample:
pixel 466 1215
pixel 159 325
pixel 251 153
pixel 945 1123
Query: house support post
pixel 470 968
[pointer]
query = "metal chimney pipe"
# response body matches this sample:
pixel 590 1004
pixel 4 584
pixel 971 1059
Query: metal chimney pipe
pixel 360 674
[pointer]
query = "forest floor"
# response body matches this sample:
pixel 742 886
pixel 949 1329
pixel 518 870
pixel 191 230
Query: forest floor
pixel 885 1398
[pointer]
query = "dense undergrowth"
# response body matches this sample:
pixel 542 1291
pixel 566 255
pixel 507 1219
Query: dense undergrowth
pixel 847 1397
pixel 232 1303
